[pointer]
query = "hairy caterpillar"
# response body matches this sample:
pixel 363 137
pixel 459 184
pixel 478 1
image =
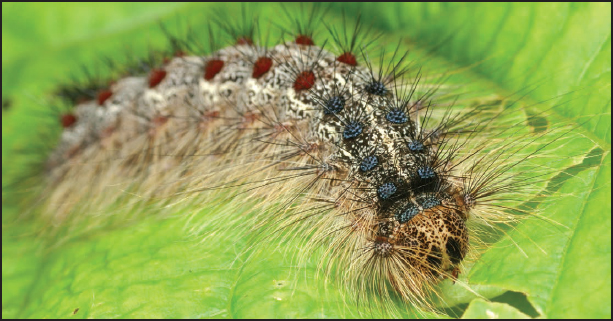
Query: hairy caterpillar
pixel 154 123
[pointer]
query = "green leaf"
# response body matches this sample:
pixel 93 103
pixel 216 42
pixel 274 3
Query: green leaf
pixel 479 309
pixel 152 268
pixel 568 274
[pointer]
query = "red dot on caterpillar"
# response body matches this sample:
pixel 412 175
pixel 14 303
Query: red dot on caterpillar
pixel 305 80
pixel 157 122
pixel 248 119
pixel 261 66
pixel 82 99
pixel 212 68
pixel 309 147
pixel 348 58
pixel 156 76
pixel 68 120
pixel 244 41
pixel 280 128
pixel 103 95
pixel 210 115
pixel 304 40
pixel 206 118
pixel 177 54
pixel 106 133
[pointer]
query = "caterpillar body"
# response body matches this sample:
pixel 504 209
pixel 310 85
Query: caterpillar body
pixel 382 168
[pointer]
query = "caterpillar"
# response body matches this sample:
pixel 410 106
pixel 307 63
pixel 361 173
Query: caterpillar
pixel 371 161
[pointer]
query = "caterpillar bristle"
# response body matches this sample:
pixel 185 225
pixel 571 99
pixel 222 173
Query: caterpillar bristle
pixel 241 31
pixel 304 23
pixel 347 45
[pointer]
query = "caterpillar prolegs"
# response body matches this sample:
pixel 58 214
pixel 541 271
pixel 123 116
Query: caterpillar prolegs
pixel 381 166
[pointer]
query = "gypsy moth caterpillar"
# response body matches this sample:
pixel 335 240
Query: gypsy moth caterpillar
pixel 245 121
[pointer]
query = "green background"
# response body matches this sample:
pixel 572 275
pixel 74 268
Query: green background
pixel 149 267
